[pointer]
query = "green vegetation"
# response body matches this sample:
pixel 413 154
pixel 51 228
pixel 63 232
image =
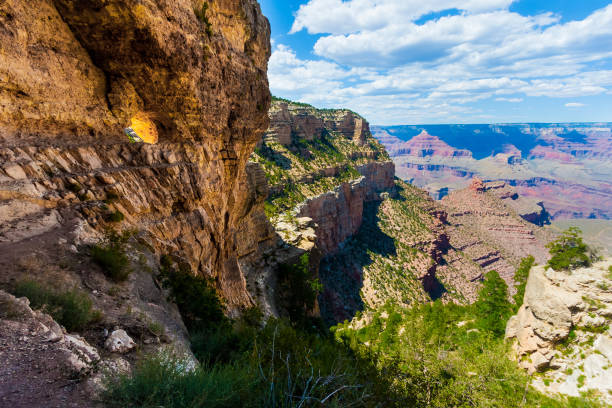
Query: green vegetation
pixel 246 362
pixel 307 168
pixel 110 255
pixel 201 15
pixel 298 289
pixel 116 216
pixel 520 280
pixel 441 355
pixel 195 296
pixel 71 308
pixel 569 251
pixel 492 307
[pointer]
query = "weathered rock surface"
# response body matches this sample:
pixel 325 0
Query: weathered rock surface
pixel 72 75
pixel 564 326
pixel 339 213
pixel 290 122
pixel 119 342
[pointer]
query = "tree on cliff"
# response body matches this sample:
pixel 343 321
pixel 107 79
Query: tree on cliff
pixel 493 308
pixel 569 251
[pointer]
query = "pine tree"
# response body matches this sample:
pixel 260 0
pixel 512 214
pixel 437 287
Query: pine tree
pixel 493 308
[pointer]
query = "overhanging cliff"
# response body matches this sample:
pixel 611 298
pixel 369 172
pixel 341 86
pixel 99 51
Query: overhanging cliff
pixel 73 73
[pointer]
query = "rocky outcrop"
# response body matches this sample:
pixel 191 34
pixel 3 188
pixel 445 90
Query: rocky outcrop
pixel 527 208
pixel 291 121
pixel 74 73
pixel 563 327
pixel 424 145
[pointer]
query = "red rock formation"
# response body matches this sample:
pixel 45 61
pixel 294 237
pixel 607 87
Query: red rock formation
pixel 425 144
pixel 489 230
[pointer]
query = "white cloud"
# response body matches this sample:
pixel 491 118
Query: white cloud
pixel 340 17
pixel 574 105
pixel 375 56
pixel 511 100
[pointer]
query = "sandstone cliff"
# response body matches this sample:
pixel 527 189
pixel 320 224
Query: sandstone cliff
pixel 563 329
pixel 73 73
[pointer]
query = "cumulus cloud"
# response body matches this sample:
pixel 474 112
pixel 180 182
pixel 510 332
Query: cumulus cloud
pixel 437 59
pixel 574 105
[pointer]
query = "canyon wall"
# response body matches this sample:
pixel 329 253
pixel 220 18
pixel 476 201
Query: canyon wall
pixel 564 166
pixel 74 73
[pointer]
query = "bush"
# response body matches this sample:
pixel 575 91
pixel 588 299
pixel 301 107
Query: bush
pixel 195 296
pixel 72 308
pixel 163 381
pixel 569 251
pixel 298 289
pixel 492 307
pixel 111 256
pixel 282 367
pixel 116 216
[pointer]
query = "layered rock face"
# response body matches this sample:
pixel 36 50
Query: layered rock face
pixel 487 228
pixel 564 325
pixel 423 145
pixel 565 166
pixel 74 73
pixel 339 213
pixel 291 121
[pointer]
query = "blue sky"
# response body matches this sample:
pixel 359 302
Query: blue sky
pixel 446 61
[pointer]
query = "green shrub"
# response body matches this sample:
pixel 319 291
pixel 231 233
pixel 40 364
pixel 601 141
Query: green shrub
pixel 195 296
pixel 201 15
pixel 281 367
pixel 569 251
pixel 163 381
pixel 492 307
pixel 72 308
pixel 111 256
pixel 298 289
pixel 116 216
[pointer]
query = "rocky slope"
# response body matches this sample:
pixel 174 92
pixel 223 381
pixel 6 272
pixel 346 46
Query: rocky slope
pixel 565 166
pixel 489 230
pixel 72 76
pixel 411 248
pixel 563 330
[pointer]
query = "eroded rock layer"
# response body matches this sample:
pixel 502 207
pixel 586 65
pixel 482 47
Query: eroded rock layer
pixel 74 73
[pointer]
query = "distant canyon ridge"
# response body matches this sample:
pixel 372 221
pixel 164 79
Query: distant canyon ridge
pixel 565 167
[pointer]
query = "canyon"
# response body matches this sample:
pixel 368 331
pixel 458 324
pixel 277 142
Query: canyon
pixel 236 187
pixel 566 167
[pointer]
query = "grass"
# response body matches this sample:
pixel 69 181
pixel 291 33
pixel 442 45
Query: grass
pixel 110 254
pixel 71 308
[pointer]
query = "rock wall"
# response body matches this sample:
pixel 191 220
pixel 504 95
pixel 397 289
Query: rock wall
pixel 72 74
pixel 339 213
pixel 289 122
pixel 563 327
